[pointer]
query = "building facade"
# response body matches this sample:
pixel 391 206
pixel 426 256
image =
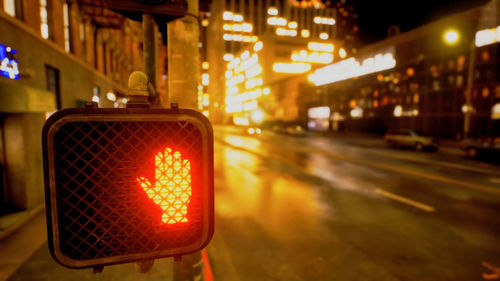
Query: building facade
pixel 256 43
pixel 57 54
pixel 441 79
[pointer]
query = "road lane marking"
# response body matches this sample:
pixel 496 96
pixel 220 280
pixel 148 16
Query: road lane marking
pixel 405 200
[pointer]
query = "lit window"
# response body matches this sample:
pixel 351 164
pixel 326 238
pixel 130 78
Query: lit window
pixel 305 33
pixel 13 8
pixel 67 27
pixel 272 11
pixel 44 20
pixel 323 35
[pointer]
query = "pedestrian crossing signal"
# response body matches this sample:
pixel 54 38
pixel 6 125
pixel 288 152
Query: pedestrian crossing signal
pixel 125 185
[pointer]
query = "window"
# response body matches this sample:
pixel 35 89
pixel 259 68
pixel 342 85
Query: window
pixel 67 27
pixel 44 20
pixel 52 83
pixel 13 8
pixel 83 40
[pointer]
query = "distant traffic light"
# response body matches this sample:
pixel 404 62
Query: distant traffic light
pixel 126 185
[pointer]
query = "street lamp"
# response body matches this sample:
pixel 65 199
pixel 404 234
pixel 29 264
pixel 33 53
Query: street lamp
pixel 451 36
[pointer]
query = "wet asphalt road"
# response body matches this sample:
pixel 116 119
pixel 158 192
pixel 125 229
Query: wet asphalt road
pixel 318 208
pixel 291 208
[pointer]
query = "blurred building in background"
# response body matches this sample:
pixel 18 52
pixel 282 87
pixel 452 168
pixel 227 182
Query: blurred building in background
pixel 255 44
pixel 57 54
pixel 441 79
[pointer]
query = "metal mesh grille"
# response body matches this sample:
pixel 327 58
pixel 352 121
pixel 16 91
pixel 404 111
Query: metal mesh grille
pixel 101 208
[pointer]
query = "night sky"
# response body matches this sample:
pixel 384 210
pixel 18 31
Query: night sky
pixel 376 16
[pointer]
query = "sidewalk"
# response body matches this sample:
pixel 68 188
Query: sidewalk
pixel 23 234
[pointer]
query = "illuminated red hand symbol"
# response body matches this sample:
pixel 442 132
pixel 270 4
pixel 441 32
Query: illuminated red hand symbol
pixel 172 186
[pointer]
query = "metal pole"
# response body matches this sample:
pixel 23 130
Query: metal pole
pixel 188 268
pixel 149 51
pixel 183 58
pixel 468 91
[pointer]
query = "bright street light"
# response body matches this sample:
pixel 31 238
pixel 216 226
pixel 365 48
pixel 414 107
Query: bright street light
pixel 451 37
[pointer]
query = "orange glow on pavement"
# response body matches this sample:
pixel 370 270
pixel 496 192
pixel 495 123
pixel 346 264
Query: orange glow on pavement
pixel 172 186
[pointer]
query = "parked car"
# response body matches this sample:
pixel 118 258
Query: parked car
pixel 410 138
pixel 476 146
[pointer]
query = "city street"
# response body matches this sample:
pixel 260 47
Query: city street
pixel 333 208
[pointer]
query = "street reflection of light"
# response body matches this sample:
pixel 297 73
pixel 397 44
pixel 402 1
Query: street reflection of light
pixel 258 46
pixel 342 53
pixel 227 15
pixel 451 37
pixel 351 67
pixel 305 33
pixel 295 67
pixel 257 116
pixel 323 35
pixel 228 57
pixel 320 47
pixel 272 11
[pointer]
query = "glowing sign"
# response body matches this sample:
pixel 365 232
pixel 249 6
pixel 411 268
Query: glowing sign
pixel 8 65
pixel 172 186
pixel 352 67
pixel 321 112
pixel 320 47
pixel 295 67
pixel 487 36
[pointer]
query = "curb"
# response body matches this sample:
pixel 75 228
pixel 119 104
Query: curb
pixel 22 218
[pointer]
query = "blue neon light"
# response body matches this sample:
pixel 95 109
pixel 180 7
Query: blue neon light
pixel 8 65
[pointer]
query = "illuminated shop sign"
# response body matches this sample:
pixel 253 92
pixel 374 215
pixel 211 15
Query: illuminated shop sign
pixel 354 67
pixel 8 66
